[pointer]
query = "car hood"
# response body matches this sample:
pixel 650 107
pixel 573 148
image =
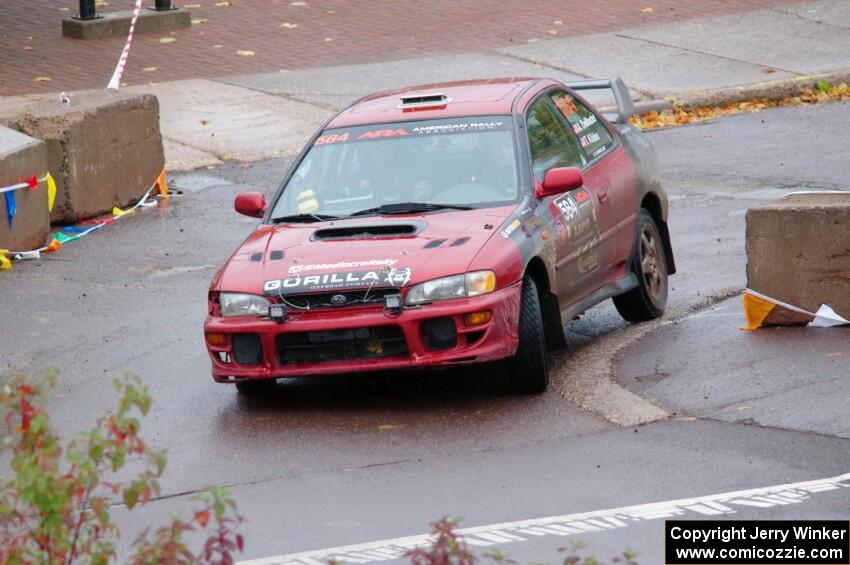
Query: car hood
pixel 412 248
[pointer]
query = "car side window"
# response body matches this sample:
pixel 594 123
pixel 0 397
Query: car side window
pixel 592 134
pixel 550 139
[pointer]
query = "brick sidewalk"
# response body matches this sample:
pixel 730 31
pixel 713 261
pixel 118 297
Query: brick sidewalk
pixel 328 32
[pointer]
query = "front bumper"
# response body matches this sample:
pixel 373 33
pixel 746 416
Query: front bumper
pixel 490 341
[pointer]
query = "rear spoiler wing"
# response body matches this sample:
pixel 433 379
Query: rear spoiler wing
pixel 625 106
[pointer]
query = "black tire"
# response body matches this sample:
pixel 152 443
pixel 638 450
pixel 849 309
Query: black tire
pixel 529 373
pixel 649 264
pixel 256 388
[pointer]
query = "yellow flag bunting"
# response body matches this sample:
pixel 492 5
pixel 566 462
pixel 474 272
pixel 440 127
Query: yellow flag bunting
pixel 68 233
pixel 761 310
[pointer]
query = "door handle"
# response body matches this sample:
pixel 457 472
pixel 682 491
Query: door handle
pixel 603 195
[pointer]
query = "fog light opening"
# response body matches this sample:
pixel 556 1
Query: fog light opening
pixel 439 334
pixel 478 318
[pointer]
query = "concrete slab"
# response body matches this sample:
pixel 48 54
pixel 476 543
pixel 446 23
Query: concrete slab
pixel 828 12
pixel 336 87
pixel 794 378
pixel 781 40
pixel 647 67
pixel 230 122
pixel 180 157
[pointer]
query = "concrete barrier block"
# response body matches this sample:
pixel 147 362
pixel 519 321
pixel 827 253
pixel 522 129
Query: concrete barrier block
pixel 104 149
pixel 20 157
pixel 798 251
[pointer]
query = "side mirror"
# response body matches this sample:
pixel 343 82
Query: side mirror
pixel 251 204
pixel 559 180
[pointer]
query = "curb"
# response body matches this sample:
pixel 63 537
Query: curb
pixel 585 376
pixel 772 90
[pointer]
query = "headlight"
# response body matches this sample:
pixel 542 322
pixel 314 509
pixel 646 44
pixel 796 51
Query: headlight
pixel 237 304
pixel 455 286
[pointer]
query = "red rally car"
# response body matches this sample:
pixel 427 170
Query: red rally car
pixel 443 225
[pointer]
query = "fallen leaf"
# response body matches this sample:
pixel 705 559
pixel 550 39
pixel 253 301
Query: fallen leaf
pixel 167 39
pixel 204 122
pixel 288 25
pixel 63 9
pixel 42 79
pixel 388 427
pixel 558 23
pixel 198 21
pixel 298 3
pixel 148 69
pixel 836 354
pixel 332 12
pixel 532 40
pixel 646 10
pixel 328 39
pixel 552 32
pixel 245 166
pixel 26 48
pixel 191 5
pixel 226 4
pixel 216 46
pixel 744 407
pixel 245 53
pixel 101 3
pixel 770 70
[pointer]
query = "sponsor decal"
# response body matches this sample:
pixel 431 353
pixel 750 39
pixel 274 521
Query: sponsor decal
pixel 589 138
pixel 533 222
pixel 562 234
pixel 331 138
pixel 459 127
pixel 583 123
pixel 298 268
pixel 511 228
pixel 577 226
pixel 296 283
pixel 378 133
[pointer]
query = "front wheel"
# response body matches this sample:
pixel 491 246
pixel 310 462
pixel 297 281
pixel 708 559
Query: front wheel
pixel 529 373
pixel 649 264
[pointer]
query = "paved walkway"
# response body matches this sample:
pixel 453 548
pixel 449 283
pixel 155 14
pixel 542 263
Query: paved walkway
pixel 328 32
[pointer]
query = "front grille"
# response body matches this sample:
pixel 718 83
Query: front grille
pixel 341 345
pixel 340 299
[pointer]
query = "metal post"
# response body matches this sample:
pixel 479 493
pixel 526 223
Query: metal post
pixel 87 11
pixel 163 6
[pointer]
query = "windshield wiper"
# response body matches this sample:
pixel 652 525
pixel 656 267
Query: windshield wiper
pixel 304 218
pixel 409 208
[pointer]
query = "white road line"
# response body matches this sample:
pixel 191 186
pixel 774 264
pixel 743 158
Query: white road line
pixel 570 524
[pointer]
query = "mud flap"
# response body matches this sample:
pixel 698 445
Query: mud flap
pixel 552 328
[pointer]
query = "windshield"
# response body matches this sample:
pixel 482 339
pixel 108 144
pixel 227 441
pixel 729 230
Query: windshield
pixel 417 166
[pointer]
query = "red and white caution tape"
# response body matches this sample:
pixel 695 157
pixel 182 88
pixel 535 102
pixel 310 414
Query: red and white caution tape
pixel 115 81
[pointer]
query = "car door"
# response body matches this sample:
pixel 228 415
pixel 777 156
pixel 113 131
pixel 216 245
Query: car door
pixel 610 168
pixel 581 260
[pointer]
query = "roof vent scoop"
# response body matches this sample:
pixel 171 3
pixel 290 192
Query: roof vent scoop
pixel 420 100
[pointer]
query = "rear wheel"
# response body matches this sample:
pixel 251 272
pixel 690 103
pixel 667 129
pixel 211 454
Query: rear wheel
pixel 649 299
pixel 256 388
pixel 529 373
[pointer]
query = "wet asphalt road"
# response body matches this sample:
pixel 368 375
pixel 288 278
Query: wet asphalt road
pixel 345 459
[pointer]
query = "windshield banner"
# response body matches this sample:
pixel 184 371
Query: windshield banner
pixel 413 129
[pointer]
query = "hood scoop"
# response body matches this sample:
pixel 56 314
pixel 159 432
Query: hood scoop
pixel 372 230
